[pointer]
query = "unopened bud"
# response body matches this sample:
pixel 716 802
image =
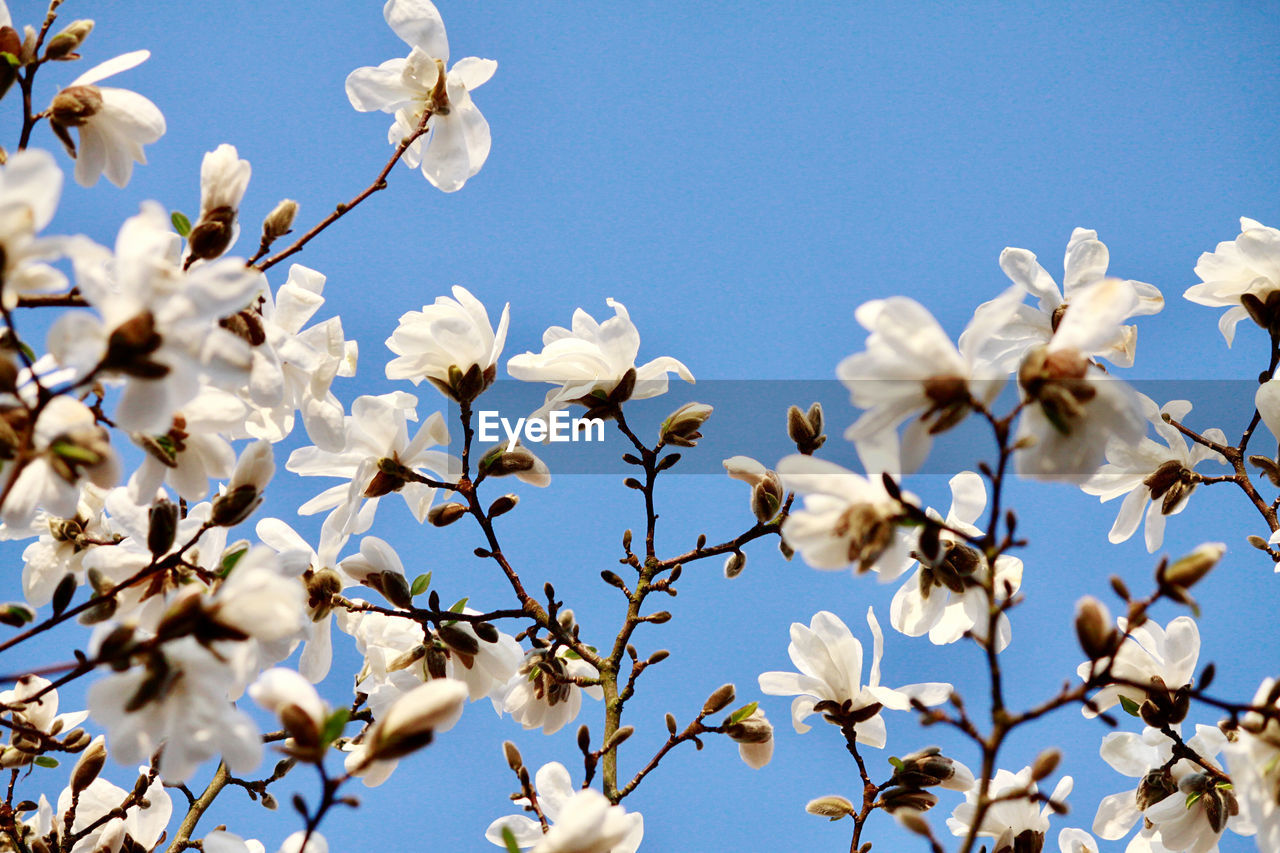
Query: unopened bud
pixel 163 518
pixel 733 566
pixel 832 807
pixel 503 505
pixel 410 721
pixel 910 799
pixel 514 760
pixel 719 700
pixel 279 221
pixel 681 426
pixel 75 105
pixel 619 737
pixel 63 46
pixel 459 640
pixel 235 506
pixel 806 429
pixel 1094 629
pixel 442 515
pixel 1187 571
pixel 1045 763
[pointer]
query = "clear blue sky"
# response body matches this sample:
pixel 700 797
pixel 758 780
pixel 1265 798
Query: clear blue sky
pixel 742 176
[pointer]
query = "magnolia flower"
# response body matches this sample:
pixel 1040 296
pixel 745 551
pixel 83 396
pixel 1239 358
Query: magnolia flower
pixel 159 325
pixel 948 598
pixel 262 597
pixel 1085 264
pixel 1243 276
pixel 1073 840
pixel 910 366
pixel 1073 409
pixel 1183 807
pixel 539 694
pixel 192 451
pixel 766 487
pixel 69 449
pixel 377 446
pixel 449 343
pixel 224 177
pixel 1147 472
pixel 456 143
pixel 595 363
pixel 34 706
pixel 180 699
pixel 114 124
pixel 408 725
pixel 294 368
pixel 291 697
pixel 1149 653
pixel 754 736
pixel 221 841
pixel 846 519
pixel 829 658
pixel 1253 758
pixel 62 547
pixel 582 819
pixel 143 824
pixel 30 186
pixel 304 842
pixel 1009 820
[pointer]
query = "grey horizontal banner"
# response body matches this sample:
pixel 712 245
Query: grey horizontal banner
pixel 749 418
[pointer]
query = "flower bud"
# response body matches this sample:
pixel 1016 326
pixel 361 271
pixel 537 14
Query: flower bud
pixel 681 426
pixel 910 799
pixel 1045 763
pixel 733 566
pixel 832 807
pixel 89 765
pixel 279 221
pixel 442 515
pixel 1097 635
pixel 1187 571
pixel 63 46
pixel 514 760
pixel 163 518
pixel 411 720
pixel 75 105
pixel 719 699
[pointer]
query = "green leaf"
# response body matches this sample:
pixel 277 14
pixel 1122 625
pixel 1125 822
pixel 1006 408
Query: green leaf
pixel 572 655
pixel 896 762
pixel 27 351
pixel 46 761
pixel 1192 798
pixel 743 712
pixel 229 561
pixel 8 57
pixel 180 223
pixel 509 839
pixel 334 725
pixel 75 453
pixel 420 584
pixel 1130 706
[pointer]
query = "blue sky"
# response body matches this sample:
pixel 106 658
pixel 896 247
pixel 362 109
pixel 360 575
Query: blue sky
pixel 742 176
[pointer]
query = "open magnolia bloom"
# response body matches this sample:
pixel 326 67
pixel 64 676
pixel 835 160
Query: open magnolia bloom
pixel 141 828
pixel 911 367
pixel 114 124
pixel 224 177
pixel 540 694
pixel 451 344
pixel 829 658
pixel 1149 655
pixel 1243 276
pixel 847 519
pixel 1184 807
pixel 1148 472
pixel 1016 824
pixel 947 597
pixel 594 364
pixel 457 139
pixel 1085 264
pixel 1072 407
pixel 30 186
pixel 1253 757
pixel 582 819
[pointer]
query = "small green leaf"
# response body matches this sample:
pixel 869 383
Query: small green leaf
pixel 180 223
pixel 334 725
pixel 1130 706
pixel 230 559
pixel 1192 798
pixel 896 762
pixel 420 584
pixel 572 655
pixel 509 839
pixel 46 761
pixel 75 453
pixel 27 351
pixel 1223 786
pixel 743 712
pixel 458 605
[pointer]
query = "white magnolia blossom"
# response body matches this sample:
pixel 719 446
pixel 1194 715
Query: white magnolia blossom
pixel 114 124
pixel 30 186
pixel 1073 840
pixel 1248 266
pixel 184 704
pixel 1085 264
pixel 70 450
pixel 846 520
pixel 1148 472
pixel 407 724
pixel 829 658
pixel 537 696
pixel 1253 758
pixel 221 841
pixel 1008 819
pixel 193 450
pixel 63 544
pixel 590 361
pixel 457 140
pixel 144 825
pixel 159 325
pixel 294 367
pixel 948 598
pixel 376 430
pixel 1074 408
pixel 911 367
pixel 755 747
pixel 1183 807
pixel 582 819
pixel 224 177
pixel 1148 652
pixel 447 336
pixel 35 705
